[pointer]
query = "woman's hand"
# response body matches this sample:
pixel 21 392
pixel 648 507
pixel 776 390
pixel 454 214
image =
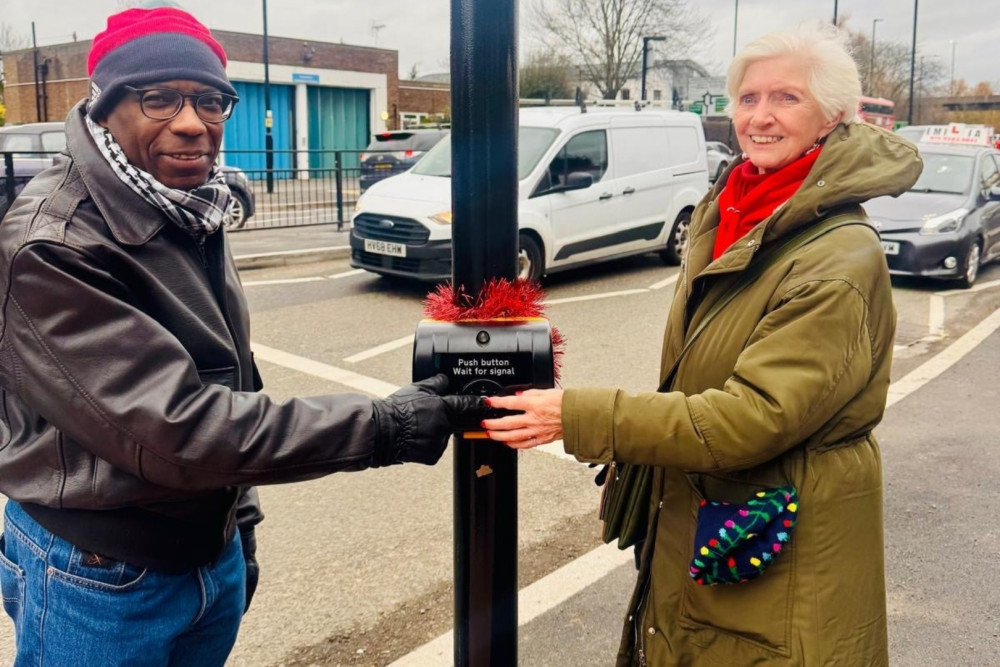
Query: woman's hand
pixel 541 421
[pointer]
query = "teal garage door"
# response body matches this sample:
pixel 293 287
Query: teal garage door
pixel 245 130
pixel 338 120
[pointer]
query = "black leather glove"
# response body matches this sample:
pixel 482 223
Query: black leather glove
pixel 249 543
pixel 414 423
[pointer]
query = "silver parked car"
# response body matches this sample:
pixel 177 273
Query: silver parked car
pixel 719 157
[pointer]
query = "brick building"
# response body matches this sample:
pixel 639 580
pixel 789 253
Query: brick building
pixel 425 99
pixel 323 96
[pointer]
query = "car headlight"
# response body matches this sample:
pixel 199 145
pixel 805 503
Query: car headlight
pixel 944 224
pixel 442 218
pixel 358 205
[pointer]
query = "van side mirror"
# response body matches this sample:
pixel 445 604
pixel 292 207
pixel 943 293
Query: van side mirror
pixel 994 193
pixel 577 180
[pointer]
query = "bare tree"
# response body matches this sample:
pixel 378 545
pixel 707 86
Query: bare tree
pixel 10 40
pixel 414 72
pixel 545 74
pixel 605 36
pixel 887 74
pixel 983 89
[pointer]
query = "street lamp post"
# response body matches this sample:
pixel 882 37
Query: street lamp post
pixel 871 65
pixel 951 80
pixel 645 62
pixel 736 19
pixel 913 63
pixel 268 117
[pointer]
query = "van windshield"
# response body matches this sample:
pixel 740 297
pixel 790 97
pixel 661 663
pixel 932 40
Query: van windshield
pixel 532 142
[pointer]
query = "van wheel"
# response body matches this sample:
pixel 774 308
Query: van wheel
pixel 678 239
pixel 530 264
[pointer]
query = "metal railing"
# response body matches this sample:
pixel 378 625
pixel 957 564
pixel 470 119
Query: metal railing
pixel 309 187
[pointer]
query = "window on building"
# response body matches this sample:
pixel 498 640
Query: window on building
pixel 657 95
pixel 626 95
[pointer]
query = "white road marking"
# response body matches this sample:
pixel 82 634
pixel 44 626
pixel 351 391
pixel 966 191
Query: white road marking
pixel 385 347
pixel 593 297
pixel 555 449
pixel 281 253
pixel 533 601
pixel 666 281
pixel 935 317
pixel 285 281
pixel 972 290
pixel 943 360
pixel 320 370
pixel 591 567
pixel 346 274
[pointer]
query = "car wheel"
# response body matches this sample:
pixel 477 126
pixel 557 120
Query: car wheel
pixel 236 213
pixel 678 239
pixel 720 170
pixel 972 262
pixel 530 264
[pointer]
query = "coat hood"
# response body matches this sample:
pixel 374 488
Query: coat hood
pixel 858 162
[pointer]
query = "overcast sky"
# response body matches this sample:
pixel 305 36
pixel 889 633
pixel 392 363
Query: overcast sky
pixel 419 29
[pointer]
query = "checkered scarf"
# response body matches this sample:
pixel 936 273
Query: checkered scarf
pixel 198 212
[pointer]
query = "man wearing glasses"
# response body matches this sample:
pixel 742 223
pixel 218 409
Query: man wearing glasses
pixel 130 430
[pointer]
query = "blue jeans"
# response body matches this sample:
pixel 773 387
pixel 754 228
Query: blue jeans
pixel 70 610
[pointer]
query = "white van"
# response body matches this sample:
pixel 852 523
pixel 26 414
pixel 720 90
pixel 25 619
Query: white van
pixel 594 186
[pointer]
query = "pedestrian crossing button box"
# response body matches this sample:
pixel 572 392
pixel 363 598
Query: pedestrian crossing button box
pixel 490 358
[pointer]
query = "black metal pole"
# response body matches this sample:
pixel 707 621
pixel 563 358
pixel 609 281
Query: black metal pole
pixel 38 97
pixel 338 167
pixel 913 63
pixel 484 246
pixel 645 53
pixel 268 117
pixel 834 12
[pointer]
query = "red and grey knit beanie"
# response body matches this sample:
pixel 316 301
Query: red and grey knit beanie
pixel 143 46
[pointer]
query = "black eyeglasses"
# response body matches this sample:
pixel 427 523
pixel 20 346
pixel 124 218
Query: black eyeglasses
pixel 165 103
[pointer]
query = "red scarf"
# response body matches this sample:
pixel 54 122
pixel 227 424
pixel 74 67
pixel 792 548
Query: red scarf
pixel 750 197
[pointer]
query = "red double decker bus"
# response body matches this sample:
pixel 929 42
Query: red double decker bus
pixel 877 111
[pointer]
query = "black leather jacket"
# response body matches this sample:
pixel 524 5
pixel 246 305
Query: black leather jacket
pixel 127 379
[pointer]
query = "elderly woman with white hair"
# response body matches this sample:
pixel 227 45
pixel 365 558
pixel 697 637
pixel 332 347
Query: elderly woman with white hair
pixel 764 542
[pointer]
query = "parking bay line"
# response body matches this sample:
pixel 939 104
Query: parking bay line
pixel 384 347
pixel 321 370
pixel 591 567
pixel 548 592
pixel 283 281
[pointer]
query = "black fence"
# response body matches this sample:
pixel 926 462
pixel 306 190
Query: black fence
pixel 301 188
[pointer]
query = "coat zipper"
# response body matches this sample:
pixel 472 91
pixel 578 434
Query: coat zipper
pixel 640 609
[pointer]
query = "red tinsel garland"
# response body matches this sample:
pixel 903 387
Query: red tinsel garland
pixel 499 299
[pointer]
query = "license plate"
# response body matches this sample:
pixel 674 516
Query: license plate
pixel 383 166
pixel 385 248
pixel 890 247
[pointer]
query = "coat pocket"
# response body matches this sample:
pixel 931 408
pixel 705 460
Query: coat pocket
pixel 757 611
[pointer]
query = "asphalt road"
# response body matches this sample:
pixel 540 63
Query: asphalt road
pixel 342 555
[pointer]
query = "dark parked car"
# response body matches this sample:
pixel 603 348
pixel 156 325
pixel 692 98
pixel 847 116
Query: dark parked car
pixel 948 224
pixel 34 145
pixel 392 153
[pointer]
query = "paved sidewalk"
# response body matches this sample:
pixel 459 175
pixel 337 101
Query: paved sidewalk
pixel 257 248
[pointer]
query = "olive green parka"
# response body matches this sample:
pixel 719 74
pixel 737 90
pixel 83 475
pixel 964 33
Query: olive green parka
pixel 784 386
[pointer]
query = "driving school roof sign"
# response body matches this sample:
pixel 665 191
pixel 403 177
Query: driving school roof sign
pixel 958 134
